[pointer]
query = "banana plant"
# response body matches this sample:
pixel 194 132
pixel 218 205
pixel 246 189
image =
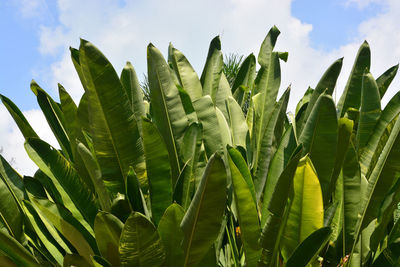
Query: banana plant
pixel 206 170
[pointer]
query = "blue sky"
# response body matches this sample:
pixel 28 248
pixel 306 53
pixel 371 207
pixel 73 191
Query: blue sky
pixel 36 35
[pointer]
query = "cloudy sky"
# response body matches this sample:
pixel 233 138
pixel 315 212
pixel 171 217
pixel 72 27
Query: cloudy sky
pixel 36 35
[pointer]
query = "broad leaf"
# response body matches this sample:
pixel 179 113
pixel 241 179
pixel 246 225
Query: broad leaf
pixel 171 235
pixel 203 219
pixel 158 170
pixel 140 245
pixel 107 229
pixel 306 210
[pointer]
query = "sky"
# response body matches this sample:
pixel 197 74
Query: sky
pixel 36 35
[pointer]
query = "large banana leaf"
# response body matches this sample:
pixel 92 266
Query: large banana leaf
pixel 140 245
pixel 208 118
pixel 74 131
pixel 351 191
pixel 372 151
pixel 16 252
pixel 237 123
pixel 319 139
pixel 107 230
pixel 191 145
pixel 211 75
pixel 114 130
pixel 247 214
pixel 167 109
pixel 171 235
pixel 370 110
pixel 264 103
pixel 345 129
pixel 47 234
pixel 134 92
pixel 55 118
pixel 93 168
pixel 202 221
pixel 269 142
pixel 186 75
pixel 384 175
pixel 64 176
pixel 278 164
pixel 68 226
pixel 158 170
pixel 11 215
pixel 306 212
pixel 351 97
pixel 276 211
pixel 386 79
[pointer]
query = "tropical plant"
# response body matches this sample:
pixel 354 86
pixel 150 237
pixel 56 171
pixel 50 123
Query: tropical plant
pixel 188 179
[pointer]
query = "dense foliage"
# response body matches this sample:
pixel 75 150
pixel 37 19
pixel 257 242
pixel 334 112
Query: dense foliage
pixel 189 179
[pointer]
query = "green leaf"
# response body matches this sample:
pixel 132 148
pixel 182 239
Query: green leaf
pixel 351 188
pixel 74 131
pixel 223 93
pixel 134 92
pixel 370 110
pixel 319 139
pixel 191 146
pixel 158 170
pixel 171 234
pixel 241 165
pixel 202 221
pixel 237 123
pixel 278 164
pixel 267 46
pixel 275 211
pixel 351 97
pixel 211 75
pixel 269 143
pixel 19 118
pixel 383 176
pixel 95 175
pixel 134 193
pixel 245 77
pixel 326 84
pixel 54 117
pixel 386 79
pixel 309 248
pixel 107 229
pixel 114 130
pixel 47 234
pixel 186 75
pixel 11 215
pixel 247 214
pixel 68 226
pixel 226 137
pixel 345 129
pixel 208 118
pixel 167 108
pixel 306 212
pixel 62 173
pixel 16 252
pixel 267 83
pixel 140 245
pixel 372 151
